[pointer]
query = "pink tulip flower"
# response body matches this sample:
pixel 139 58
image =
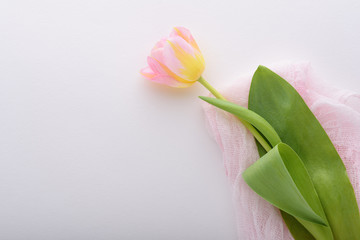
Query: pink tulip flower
pixel 175 61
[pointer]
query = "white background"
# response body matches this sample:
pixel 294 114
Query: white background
pixel 91 150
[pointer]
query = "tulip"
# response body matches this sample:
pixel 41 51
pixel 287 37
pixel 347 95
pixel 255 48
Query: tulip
pixel 310 187
pixel 175 61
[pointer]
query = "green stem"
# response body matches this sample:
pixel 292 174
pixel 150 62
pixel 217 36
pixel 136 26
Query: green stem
pixel 250 127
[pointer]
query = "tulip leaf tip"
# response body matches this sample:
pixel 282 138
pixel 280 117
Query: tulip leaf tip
pixel 206 99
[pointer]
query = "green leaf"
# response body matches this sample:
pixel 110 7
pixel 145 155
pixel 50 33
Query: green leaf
pixel 254 119
pixel 296 228
pixel 278 102
pixel 281 178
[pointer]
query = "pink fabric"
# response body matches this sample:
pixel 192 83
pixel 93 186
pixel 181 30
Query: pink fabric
pixel 338 112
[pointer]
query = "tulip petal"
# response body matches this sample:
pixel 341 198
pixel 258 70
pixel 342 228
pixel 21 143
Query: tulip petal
pixel 158 67
pixel 159 44
pixel 158 54
pixel 148 73
pixel 167 80
pixel 182 59
pixel 185 34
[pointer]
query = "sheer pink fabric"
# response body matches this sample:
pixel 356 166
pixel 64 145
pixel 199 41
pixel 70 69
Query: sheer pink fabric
pixel 338 112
